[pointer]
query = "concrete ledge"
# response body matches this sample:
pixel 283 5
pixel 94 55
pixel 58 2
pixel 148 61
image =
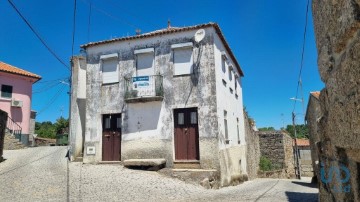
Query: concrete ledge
pixel 109 162
pixel 144 162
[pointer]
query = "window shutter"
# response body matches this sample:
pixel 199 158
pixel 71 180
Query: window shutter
pixel 110 71
pixel 144 66
pixel 183 61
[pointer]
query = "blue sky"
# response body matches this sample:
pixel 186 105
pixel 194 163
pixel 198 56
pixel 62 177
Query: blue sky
pixel 265 36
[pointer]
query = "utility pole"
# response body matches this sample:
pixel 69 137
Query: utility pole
pixel 297 168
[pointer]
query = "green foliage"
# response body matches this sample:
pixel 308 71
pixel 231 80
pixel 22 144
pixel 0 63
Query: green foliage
pixel 47 129
pixel 265 164
pixel 266 129
pixel 302 131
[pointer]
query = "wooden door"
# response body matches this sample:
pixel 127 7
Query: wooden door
pixel 186 134
pixel 111 137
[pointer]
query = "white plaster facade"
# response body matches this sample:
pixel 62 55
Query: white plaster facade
pixel 147 127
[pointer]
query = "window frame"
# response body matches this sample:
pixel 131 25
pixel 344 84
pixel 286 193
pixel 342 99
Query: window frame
pixel 109 57
pixel 3 92
pixel 183 46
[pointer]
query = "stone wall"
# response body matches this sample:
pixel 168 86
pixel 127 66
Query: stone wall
pixel 337 29
pixel 3 119
pixel 312 116
pixel 277 147
pixel 252 149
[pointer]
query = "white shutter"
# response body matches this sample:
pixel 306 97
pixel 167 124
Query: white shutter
pixel 110 71
pixel 144 64
pixel 183 61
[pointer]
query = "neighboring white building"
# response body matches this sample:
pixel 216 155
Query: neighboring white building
pixel 160 95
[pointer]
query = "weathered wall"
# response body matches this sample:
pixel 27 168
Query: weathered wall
pixel 337 29
pixel 313 115
pixel 252 149
pixel 179 92
pixel 77 106
pixel 232 150
pixel 3 119
pixel 277 147
pixel 305 161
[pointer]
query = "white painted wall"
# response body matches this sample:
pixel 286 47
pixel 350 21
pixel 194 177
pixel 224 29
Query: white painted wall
pixel 226 100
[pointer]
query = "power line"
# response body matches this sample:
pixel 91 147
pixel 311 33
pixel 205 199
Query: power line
pixel 111 16
pixel 46 88
pixel 132 14
pixel 38 35
pixel 74 28
pixel 51 101
pixel 89 21
pixel 299 84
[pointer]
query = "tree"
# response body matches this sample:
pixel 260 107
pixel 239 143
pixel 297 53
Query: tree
pixel 302 131
pixel 47 129
pixel 61 124
pixel 266 129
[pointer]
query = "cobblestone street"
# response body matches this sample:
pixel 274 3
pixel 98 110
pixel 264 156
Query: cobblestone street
pixel 40 174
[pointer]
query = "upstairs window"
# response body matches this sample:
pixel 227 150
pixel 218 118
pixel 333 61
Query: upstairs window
pixel 230 73
pixel 6 91
pixel 144 62
pixel 110 69
pixel 183 58
pixel 223 61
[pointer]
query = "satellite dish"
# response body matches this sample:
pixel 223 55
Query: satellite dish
pixel 199 35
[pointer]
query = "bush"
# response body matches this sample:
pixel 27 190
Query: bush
pixel 265 164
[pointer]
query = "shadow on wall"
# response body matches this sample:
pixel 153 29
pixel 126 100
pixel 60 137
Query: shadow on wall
pixel 16 114
pixel 299 196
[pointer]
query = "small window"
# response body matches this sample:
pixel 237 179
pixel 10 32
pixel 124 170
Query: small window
pixel 183 61
pixel 226 127
pixel 231 90
pixel 145 64
pixel 193 118
pixel 238 132
pixel 107 123
pixel 223 64
pixel 110 71
pixel 230 73
pixel 180 118
pixel 6 91
pixel 224 82
pixel 118 122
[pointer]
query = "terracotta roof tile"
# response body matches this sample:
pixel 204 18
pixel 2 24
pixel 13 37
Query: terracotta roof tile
pixel 14 70
pixel 316 94
pixel 302 142
pixel 173 30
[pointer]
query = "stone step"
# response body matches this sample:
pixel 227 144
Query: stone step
pixel 192 164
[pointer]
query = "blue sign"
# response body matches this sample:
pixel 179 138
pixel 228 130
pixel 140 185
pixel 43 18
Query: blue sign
pixel 337 171
pixel 140 78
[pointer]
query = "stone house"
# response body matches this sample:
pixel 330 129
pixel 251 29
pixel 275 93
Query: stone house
pixel 15 99
pixel 312 118
pixel 173 94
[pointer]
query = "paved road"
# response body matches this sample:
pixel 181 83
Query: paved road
pixel 40 174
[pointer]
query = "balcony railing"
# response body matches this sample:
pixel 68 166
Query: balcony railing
pixel 144 88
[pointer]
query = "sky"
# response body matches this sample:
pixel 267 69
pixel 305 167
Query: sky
pixel 265 36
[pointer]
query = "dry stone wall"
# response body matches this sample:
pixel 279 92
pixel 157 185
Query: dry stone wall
pixel 337 29
pixel 252 149
pixel 277 147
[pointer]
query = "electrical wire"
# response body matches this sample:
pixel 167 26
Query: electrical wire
pixel 89 21
pixel 109 15
pixel 131 14
pixel 51 101
pixel 74 28
pixel 299 84
pixel 46 88
pixel 38 35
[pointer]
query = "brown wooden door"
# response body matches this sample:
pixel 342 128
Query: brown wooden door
pixel 111 137
pixel 186 134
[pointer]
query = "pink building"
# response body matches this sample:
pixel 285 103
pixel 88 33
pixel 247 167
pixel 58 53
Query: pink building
pixel 15 94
